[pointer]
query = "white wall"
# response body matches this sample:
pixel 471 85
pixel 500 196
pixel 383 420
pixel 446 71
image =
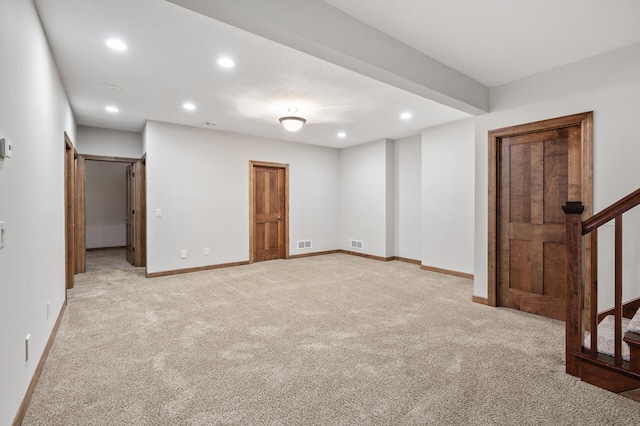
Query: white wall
pixel 408 197
pixel 610 86
pixel 448 196
pixel 109 142
pixel 202 186
pixel 364 200
pixel 34 114
pixel 106 198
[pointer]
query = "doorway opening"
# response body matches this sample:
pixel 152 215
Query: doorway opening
pixel 115 210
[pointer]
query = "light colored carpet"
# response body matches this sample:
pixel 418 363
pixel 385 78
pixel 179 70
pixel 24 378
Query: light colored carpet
pixel 328 340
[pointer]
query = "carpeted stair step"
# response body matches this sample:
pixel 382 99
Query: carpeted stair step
pixel 606 336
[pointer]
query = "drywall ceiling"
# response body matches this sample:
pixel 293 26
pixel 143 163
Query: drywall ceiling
pixel 171 59
pixel 349 66
pixel 499 41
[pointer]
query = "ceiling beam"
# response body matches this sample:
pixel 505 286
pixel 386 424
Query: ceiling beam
pixel 318 29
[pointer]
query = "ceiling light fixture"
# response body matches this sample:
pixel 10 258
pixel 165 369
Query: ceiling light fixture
pixel 226 62
pixel 342 135
pixel 116 44
pixel 189 106
pixel 111 109
pixel 406 116
pixel 292 123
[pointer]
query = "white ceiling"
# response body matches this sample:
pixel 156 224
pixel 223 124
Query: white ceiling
pixel 172 56
pixel 499 41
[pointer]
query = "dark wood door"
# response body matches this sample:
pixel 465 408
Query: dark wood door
pixel 130 213
pixel 269 215
pixel 539 173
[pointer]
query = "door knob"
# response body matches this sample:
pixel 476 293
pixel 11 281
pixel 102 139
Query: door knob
pixel 126 218
pixel 279 218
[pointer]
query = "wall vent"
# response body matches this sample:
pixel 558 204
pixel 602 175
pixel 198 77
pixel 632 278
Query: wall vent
pixel 356 244
pixel 304 244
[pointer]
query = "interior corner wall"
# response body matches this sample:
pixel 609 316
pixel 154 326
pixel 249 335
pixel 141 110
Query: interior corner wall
pixel 390 193
pixel 201 186
pixel 109 142
pixel 106 204
pixel 364 204
pixel 408 198
pixel 34 114
pixel 448 196
pixel 609 85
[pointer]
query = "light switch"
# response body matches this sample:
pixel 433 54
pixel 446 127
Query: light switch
pixel 158 212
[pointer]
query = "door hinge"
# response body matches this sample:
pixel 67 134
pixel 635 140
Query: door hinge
pixel 133 174
pixel 133 212
pixel 133 249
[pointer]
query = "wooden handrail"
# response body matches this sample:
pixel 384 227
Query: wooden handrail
pixel 575 230
pixel 610 213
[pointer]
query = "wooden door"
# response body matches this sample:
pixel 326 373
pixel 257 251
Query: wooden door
pixel 130 213
pixel 269 212
pixel 69 210
pixel 539 173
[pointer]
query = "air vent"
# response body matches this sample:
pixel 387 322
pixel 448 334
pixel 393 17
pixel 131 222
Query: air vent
pixel 356 244
pixel 304 244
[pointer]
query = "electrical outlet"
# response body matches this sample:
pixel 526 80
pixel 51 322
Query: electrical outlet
pixel 183 254
pixel 206 251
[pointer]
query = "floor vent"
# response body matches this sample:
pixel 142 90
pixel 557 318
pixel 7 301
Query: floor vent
pixel 357 244
pixel 304 244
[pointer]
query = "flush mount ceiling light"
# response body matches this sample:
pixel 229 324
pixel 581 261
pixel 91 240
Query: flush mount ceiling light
pixel 342 135
pixel 189 106
pixel 226 62
pixel 406 115
pixel 116 44
pixel 111 109
pixel 292 123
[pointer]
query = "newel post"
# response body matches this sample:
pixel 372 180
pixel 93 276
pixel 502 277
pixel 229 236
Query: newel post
pixel 574 293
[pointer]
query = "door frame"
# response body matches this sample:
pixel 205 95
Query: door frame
pixel 585 121
pixel 140 229
pixel 285 167
pixel 69 211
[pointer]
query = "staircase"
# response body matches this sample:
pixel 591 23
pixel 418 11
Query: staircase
pixel 603 349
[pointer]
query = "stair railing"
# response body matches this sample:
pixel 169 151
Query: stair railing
pixel 576 229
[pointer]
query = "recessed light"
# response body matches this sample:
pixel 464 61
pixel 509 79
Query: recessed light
pixel 342 135
pixel 226 62
pixel 406 115
pixel 189 106
pixel 111 109
pixel 116 44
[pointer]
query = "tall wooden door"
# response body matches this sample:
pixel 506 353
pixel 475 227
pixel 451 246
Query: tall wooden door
pixel 539 173
pixel 130 214
pixel 269 212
